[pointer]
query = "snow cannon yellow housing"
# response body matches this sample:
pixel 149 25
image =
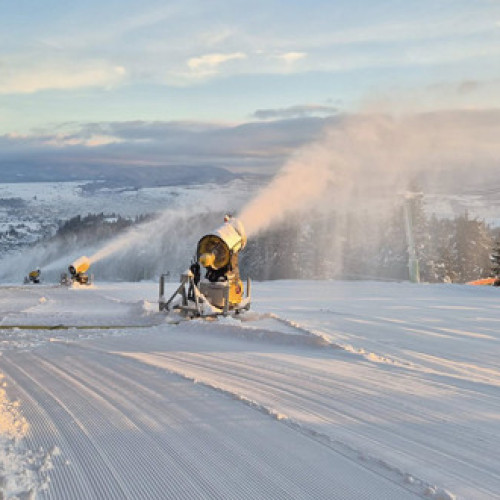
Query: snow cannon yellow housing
pixel 78 271
pixel 80 265
pixel 220 291
pixel 218 254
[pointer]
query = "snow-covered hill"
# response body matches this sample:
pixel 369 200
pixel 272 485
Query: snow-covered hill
pixel 30 211
pixel 323 390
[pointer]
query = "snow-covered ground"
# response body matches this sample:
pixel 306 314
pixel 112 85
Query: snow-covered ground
pixel 335 390
pixel 63 200
pixel 35 210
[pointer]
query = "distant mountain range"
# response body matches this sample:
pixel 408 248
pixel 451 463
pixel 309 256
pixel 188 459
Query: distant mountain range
pixel 112 176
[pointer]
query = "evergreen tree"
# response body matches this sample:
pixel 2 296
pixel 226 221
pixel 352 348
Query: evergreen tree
pixel 353 250
pixel 444 269
pixel 392 254
pixel 495 260
pixel 472 245
pixel 325 246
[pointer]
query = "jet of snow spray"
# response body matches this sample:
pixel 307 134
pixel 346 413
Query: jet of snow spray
pixel 120 243
pixel 366 162
pixel 163 244
pixel 144 238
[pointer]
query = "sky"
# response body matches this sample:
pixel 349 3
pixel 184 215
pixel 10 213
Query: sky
pixel 70 67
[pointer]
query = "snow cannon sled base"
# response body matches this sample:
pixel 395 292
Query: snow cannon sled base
pixel 207 299
pixel 78 273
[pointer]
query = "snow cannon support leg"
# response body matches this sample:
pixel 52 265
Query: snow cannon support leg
pixel 181 290
pixel 187 282
pixel 161 300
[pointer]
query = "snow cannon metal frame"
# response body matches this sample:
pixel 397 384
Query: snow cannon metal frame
pixel 78 272
pixel 221 291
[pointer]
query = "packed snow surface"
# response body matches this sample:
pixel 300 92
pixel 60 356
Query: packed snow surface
pixel 334 390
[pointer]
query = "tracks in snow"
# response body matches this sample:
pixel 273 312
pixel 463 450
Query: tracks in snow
pixel 129 430
pixel 112 417
pixel 382 415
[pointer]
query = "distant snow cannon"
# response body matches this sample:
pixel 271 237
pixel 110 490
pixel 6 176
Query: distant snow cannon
pixel 33 277
pixel 220 291
pixel 78 271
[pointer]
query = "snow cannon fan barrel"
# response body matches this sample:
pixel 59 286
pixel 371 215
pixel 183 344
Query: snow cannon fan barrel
pixel 216 249
pixel 218 254
pixel 80 266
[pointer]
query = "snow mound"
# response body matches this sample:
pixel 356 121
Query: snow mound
pixel 143 308
pixel 20 474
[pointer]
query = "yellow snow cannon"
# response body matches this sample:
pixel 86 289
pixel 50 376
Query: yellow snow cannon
pixel 33 277
pixel 78 271
pixel 220 291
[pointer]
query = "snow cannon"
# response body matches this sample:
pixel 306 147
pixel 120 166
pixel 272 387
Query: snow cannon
pixel 220 291
pixel 33 277
pixel 78 271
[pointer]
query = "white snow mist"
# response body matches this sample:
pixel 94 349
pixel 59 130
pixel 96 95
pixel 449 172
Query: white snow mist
pixel 366 161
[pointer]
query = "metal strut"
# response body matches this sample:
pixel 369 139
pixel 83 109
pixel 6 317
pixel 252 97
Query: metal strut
pixel 187 280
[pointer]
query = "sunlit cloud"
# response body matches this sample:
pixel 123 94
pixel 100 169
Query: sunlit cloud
pixel 62 140
pixel 291 57
pixel 210 65
pixel 202 68
pixel 93 141
pixel 210 62
pixel 61 77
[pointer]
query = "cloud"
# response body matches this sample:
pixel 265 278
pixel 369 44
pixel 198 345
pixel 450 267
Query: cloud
pixel 210 62
pixel 93 141
pixel 294 112
pixel 201 68
pixel 431 141
pixel 251 146
pixel 59 77
pixel 291 57
pixel 183 43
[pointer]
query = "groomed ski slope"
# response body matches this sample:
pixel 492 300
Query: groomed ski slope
pixel 338 390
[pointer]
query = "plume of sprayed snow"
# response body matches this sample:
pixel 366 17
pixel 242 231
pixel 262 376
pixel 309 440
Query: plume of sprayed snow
pixel 165 244
pixel 135 236
pixel 368 161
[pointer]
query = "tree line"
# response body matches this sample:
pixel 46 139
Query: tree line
pixel 365 245
pixel 319 245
